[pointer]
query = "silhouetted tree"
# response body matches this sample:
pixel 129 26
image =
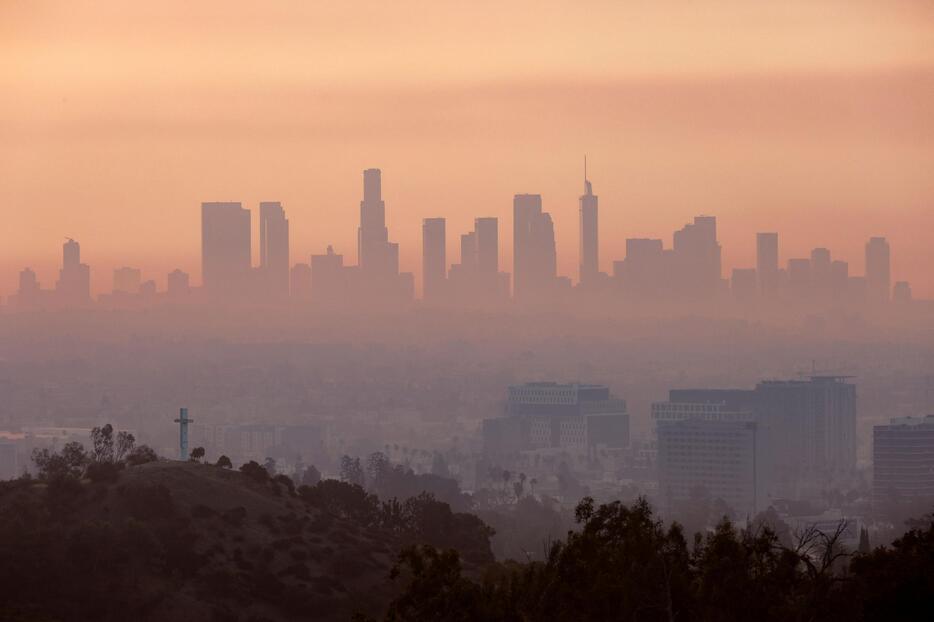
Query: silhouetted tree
pixel 286 481
pixel 69 462
pixel 343 499
pixel 896 583
pixel 254 471
pixel 377 467
pixel 123 446
pixel 197 454
pixel 102 443
pixel 224 462
pixel 351 471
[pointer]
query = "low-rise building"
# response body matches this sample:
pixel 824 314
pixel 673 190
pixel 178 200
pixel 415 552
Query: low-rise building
pixel 573 417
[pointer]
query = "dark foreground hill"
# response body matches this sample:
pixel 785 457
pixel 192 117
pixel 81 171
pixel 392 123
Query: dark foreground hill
pixel 185 541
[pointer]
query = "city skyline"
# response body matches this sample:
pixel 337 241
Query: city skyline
pixel 743 249
pixel 806 116
pixel 691 264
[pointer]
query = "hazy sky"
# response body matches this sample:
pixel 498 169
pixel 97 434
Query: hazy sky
pixel 815 119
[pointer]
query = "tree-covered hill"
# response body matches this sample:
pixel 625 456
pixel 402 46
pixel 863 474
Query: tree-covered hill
pixel 170 540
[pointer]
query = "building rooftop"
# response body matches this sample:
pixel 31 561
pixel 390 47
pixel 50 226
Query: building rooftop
pixel 912 421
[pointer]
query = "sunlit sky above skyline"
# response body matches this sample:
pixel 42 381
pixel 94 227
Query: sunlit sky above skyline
pixel 118 119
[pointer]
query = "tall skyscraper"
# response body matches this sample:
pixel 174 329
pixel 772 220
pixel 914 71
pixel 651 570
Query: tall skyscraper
pixel 274 249
pixel 839 278
pixel 821 272
pixel 697 257
pixel 589 233
pixel 487 230
pixel 469 250
pixel 767 263
pixel 377 276
pixel 434 257
pixel 644 271
pixel 225 250
pixel 534 257
pixel 74 279
pixel 476 280
pixel 376 255
pixel 878 270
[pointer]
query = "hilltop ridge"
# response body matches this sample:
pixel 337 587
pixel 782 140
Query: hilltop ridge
pixel 184 541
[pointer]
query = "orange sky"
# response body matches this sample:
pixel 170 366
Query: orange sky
pixel 118 119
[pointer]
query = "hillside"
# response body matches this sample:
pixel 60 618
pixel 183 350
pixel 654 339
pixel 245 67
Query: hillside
pixel 184 541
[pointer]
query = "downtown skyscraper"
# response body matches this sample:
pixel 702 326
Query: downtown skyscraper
pixel 589 234
pixel 273 250
pixel 476 281
pixel 878 270
pixel 487 239
pixel 376 255
pixel 225 250
pixel 697 258
pixel 434 258
pixel 767 263
pixel 74 279
pixel 377 277
pixel 534 256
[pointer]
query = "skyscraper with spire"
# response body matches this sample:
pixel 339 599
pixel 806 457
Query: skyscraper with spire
pixel 589 233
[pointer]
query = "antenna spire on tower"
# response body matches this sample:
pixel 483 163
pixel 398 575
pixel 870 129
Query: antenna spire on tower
pixel 587 187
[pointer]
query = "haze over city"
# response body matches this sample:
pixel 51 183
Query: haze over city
pixel 810 120
pixel 429 311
